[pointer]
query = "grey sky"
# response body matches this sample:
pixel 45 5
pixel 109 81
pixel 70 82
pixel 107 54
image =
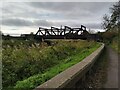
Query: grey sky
pixel 26 17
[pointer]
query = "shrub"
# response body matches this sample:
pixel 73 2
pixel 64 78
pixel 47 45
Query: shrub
pixel 22 59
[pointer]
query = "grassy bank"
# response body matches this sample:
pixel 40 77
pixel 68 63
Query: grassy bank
pixel 116 44
pixel 29 65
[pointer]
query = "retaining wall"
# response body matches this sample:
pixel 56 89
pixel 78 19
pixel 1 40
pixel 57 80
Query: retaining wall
pixel 69 77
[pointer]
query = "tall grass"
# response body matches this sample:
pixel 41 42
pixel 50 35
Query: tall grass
pixel 28 64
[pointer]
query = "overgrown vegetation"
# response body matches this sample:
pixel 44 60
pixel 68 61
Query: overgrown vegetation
pixel 112 25
pixel 27 64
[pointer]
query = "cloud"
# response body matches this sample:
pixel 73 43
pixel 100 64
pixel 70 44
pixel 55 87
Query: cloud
pixel 24 22
pixel 73 9
pixel 16 22
pixel 30 14
pixel 93 25
pixel 43 23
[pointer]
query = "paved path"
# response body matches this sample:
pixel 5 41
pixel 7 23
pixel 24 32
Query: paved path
pixel 106 72
pixel 112 70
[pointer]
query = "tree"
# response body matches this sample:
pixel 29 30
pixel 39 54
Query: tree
pixel 91 31
pixel 31 33
pixel 112 22
pixel 106 22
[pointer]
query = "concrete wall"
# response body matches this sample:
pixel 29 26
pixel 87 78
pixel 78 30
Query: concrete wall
pixel 69 77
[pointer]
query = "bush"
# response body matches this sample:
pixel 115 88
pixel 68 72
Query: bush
pixel 22 59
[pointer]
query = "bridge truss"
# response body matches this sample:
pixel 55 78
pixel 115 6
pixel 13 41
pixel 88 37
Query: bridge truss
pixel 61 33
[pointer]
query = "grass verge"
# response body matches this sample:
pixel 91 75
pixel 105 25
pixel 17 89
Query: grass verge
pixel 38 79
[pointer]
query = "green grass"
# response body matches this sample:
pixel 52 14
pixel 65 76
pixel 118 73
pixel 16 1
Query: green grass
pixel 115 44
pixel 27 64
pixel 38 79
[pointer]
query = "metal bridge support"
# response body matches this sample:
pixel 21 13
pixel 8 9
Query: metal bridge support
pixel 61 33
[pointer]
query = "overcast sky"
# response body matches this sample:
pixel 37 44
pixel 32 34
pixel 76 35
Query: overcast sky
pixel 26 17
